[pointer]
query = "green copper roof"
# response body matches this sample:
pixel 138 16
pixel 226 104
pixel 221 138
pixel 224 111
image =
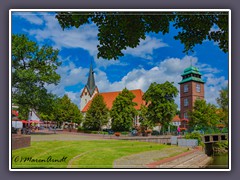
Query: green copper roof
pixel 191 70
pixel 191 79
pixel 91 82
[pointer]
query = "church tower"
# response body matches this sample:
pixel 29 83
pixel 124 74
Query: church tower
pixel 89 90
pixel 191 88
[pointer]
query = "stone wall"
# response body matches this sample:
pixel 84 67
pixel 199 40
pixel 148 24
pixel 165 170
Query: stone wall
pixel 20 141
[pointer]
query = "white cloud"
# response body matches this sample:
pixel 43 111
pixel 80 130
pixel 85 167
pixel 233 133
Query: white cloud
pixel 146 47
pixel 75 97
pixel 31 17
pixel 70 76
pixel 85 37
pixel 168 70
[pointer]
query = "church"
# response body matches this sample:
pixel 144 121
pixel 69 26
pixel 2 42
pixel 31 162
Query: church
pixel 191 88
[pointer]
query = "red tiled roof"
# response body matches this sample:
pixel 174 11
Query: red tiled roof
pixel 109 97
pixel 176 118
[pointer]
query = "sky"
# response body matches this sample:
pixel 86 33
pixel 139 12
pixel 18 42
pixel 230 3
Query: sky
pixel 158 58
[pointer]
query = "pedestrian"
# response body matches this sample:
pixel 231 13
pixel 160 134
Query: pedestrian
pixel 178 130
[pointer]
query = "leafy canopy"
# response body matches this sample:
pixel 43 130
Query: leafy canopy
pixel 223 101
pixel 97 114
pixel 203 116
pixel 119 30
pixel 160 99
pixel 66 111
pixel 144 120
pixel 123 111
pixel 33 67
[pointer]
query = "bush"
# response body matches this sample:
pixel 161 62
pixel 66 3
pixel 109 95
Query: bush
pixel 87 131
pixel 80 129
pixel 195 135
pixel 94 132
pixel 125 133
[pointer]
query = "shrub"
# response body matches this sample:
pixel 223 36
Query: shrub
pixel 125 133
pixel 94 132
pixel 195 135
pixel 80 129
pixel 87 131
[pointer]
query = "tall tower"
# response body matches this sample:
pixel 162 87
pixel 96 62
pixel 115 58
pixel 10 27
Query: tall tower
pixel 89 90
pixel 191 88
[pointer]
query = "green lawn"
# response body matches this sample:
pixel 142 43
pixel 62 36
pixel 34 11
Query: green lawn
pixel 79 154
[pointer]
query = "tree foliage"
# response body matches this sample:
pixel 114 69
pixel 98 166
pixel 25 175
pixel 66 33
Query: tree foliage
pixel 160 100
pixel 123 111
pixel 97 114
pixel 119 30
pixel 66 111
pixel 203 116
pixel 144 119
pixel 223 102
pixel 33 67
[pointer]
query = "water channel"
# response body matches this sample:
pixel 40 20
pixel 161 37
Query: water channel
pixel 219 162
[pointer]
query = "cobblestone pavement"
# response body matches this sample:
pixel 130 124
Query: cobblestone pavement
pixel 142 159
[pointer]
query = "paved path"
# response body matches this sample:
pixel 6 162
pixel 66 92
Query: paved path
pixel 141 160
pixel 63 137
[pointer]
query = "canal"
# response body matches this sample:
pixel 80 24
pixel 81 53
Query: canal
pixel 219 162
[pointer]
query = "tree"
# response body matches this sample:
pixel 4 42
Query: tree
pixel 144 120
pixel 33 67
pixel 161 105
pixel 223 103
pixel 203 116
pixel 97 114
pixel 119 30
pixel 66 111
pixel 123 111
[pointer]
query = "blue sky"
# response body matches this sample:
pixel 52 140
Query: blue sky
pixel 158 58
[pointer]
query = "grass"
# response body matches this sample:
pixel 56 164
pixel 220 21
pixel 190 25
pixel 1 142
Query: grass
pixel 78 154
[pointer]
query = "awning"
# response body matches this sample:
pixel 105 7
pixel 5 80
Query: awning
pixel 24 121
pixel 36 121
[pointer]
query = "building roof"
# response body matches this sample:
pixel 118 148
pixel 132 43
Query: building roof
pixel 176 118
pixel 109 97
pixel 193 75
pixel 191 69
pixel 91 81
pixel 191 79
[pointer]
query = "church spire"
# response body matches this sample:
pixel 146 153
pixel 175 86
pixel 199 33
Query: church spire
pixel 91 81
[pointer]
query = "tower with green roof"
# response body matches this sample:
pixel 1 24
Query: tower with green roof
pixel 191 88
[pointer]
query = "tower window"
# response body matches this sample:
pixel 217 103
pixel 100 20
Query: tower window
pixel 186 88
pixel 198 88
pixel 186 102
pixel 85 101
pixel 185 115
pixel 85 93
